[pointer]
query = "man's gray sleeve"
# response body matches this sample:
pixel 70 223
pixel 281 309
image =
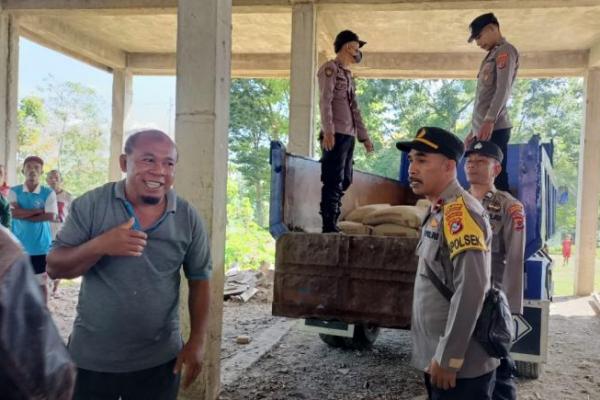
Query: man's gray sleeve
pixel 197 263
pixel 471 281
pixel 514 240
pixel 506 65
pixel 77 228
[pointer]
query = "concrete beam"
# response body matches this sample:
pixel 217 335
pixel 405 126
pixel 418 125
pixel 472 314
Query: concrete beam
pixel 122 96
pixel 594 58
pixel 59 36
pixel 302 80
pixel 9 84
pixel 243 65
pixel 465 65
pixel 385 65
pixel 128 7
pixel 170 6
pixel 433 5
pixel 589 188
pixel 201 130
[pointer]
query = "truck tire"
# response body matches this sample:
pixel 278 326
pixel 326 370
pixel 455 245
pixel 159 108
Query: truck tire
pixel 364 337
pixel 528 370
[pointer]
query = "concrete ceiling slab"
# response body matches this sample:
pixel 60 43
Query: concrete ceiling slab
pixel 393 27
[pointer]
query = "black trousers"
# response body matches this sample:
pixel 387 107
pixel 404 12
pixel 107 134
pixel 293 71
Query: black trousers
pixel 336 173
pixel 505 387
pixel 38 263
pixel 501 137
pixel 479 388
pixel 157 383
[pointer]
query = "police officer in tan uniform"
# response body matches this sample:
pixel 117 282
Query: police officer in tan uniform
pixel 508 243
pixel 454 248
pixel 494 85
pixel 341 123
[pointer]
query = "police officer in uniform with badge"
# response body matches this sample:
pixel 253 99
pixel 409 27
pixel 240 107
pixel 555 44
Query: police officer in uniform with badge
pixel 508 243
pixel 496 76
pixel 341 123
pixel 453 251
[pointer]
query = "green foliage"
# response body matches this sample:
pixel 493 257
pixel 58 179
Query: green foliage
pixel 63 126
pixel 247 243
pixel 258 114
pixel 550 108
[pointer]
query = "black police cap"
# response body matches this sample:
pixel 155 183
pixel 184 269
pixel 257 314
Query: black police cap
pixel 344 37
pixel 435 140
pixel 481 22
pixel 485 148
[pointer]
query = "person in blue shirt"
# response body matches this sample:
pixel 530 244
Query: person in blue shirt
pixel 33 206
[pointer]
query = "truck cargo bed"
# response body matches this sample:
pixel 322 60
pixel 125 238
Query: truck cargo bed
pixel 351 278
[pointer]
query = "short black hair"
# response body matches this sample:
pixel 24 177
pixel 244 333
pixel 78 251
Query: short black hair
pixel 150 133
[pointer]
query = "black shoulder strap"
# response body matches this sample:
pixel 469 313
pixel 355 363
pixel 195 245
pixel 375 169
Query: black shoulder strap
pixel 443 289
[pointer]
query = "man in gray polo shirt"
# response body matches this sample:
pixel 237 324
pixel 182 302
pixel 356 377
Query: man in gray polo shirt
pixel 128 240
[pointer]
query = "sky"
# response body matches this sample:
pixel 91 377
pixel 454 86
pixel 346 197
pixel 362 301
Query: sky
pixel 153 96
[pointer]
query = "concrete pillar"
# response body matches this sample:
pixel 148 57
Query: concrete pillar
pixel 589 187
pixel 302 79
pixel 122 95
pixel 201 130
pixel 9 84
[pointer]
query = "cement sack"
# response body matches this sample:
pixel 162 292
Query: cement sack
pixel 354 228
pixel 395 230
pixel 410 216
pixel 359 213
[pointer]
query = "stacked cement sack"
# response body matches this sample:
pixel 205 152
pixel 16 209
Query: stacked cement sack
pixel 385 220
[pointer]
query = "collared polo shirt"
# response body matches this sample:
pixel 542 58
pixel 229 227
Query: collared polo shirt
pixel 35 237
pixel 127 315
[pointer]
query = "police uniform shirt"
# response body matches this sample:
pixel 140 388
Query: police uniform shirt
pixel 455 242
pixel 508 245
pixel 494 85
pixel 338 103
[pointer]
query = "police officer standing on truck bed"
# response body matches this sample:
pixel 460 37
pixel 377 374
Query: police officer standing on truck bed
pixel 341 122
pixel 494 85
pixel 508 243
pixel 453 251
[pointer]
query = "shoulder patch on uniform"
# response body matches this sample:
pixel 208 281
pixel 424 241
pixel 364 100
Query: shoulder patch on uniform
pixel 502 60
pixel 328 71
pixel 517 215
pixel 461 231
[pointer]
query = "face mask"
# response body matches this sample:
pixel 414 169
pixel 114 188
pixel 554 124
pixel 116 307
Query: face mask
pixel 358 57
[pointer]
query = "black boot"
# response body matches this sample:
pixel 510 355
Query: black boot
pixel 329 217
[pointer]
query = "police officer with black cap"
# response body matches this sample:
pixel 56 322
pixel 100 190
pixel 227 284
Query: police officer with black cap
pixel 453 253
pixel 496 76
pixel 341 123
pixel 508 243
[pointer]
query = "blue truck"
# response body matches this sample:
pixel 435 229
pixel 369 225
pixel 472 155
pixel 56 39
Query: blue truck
pixel 346 287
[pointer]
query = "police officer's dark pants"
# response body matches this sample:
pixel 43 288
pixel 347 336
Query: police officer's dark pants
pixel 501 138
pixel 336 175
pixel 505 387
pixel 158 383
pixel 479 388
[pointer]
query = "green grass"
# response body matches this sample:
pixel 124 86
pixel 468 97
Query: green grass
pixel 564 276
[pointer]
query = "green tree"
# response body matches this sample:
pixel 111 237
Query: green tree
pixel 63 124
pixel 258 114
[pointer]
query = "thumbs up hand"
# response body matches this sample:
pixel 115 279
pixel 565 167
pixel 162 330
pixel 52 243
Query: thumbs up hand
pixel 122 240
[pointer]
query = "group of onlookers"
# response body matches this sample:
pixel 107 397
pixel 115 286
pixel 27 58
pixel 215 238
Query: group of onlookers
pixel 34 212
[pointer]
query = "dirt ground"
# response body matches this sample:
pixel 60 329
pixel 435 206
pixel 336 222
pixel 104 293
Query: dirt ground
pixel 287 363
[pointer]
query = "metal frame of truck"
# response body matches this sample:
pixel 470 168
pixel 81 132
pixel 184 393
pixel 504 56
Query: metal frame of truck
pixel 346 286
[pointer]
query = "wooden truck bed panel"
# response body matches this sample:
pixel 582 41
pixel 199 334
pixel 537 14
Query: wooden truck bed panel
pixel 366 279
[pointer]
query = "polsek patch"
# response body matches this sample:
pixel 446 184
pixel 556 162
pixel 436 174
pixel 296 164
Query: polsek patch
pixel 502 60
pixel 518 217
pixel 461 231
